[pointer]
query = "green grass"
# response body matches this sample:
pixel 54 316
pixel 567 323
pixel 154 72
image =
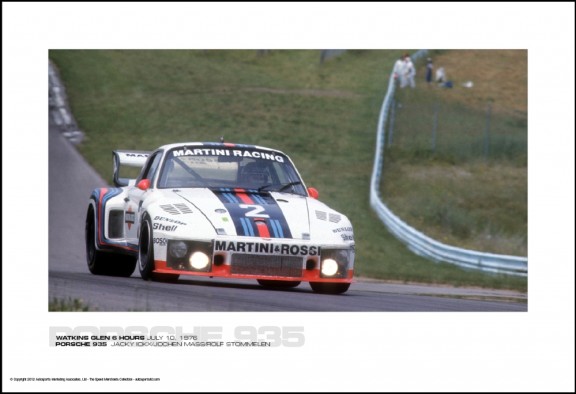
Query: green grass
pixel 68 305
pixel 323 116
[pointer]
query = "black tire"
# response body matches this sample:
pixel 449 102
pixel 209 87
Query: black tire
pixel 279 284
pixel 102 263
pixel 121 265
pixel 94 258
pixel 329 288
pixel 146 255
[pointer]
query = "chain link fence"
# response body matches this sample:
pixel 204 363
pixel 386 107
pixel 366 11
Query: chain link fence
pixel 456 133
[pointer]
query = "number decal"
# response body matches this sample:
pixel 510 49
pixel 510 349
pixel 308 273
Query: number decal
pixel 256 211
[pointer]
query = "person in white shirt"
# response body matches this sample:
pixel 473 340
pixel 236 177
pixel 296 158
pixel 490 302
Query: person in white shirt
pixel 440 75
pixel 399 72
pixel 410 71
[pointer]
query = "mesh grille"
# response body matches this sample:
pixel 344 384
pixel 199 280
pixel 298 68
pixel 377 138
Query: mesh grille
pixel 249 264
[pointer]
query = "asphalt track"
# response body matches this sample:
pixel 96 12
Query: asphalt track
pixel 71 181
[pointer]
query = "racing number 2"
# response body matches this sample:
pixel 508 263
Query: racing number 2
pixel 255 212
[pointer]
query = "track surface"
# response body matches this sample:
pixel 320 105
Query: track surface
pixel 71 181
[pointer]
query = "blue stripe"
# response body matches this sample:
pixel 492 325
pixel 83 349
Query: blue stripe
pixel 275 229
pixel 277 225
pixel 231 198
pixel 244 227
pixel 248 230
pixel 250 227
pixel 258 199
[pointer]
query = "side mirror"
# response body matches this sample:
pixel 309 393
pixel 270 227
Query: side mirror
pixel 144 184
pixel 312 192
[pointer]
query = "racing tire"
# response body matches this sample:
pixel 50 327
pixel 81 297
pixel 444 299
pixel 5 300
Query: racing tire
pixel 279 284
pixel 329 288
pixel 102 263
pixel 146 255
pixel 121 265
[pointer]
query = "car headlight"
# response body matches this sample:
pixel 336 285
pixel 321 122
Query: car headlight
pixel 335 263
pixel 199 260
pixel 329 267
pixel 189 255
pixel 178 249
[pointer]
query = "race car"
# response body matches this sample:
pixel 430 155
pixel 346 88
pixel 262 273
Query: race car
pixel 217 210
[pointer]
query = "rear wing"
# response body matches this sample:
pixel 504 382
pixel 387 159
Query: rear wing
pixel 128 158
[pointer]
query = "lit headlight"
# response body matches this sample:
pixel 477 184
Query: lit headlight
pixel 329 267
pixel 178 249
pixel 336 262
pixel 199 260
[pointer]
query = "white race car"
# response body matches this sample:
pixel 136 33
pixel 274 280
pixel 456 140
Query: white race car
pixel 217 210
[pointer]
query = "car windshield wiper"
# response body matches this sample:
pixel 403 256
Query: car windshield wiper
pixel 282 186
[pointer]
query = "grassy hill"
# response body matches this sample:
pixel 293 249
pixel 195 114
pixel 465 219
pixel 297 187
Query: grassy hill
pixel 466 147
pixel 322 115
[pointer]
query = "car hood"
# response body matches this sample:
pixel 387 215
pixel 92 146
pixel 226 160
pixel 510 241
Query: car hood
pixel 252 214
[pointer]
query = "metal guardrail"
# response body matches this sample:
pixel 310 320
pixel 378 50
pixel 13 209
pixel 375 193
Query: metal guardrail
pixel 418 242
pixel 58 107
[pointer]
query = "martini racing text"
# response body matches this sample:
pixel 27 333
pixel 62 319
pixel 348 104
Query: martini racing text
pixel 226 152
pixel 266 248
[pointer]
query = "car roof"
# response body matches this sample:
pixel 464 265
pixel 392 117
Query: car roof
pixel 216 145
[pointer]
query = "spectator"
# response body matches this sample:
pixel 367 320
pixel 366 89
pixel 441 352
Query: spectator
pixel 440 75
pixel 399 70
pixel 429 68
pixel 410 72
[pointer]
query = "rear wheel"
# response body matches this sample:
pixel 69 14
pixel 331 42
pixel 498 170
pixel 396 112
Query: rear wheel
pixel 329 288
pixel 146 255
pixel 279 284
pixel 102 263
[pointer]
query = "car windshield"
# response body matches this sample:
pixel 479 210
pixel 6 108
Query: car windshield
pixel 230 167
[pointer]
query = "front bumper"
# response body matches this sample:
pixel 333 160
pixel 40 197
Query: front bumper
pixel 256 259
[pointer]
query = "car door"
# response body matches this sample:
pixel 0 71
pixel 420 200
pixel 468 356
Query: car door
pixel 136 196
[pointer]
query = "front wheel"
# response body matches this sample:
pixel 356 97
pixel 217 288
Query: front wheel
pixel 329 288
pixel 146 255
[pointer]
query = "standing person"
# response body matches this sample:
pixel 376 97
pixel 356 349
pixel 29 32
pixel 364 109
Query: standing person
pixel 399 70
pixel 440 75
pixel 410 72
pixel 429 68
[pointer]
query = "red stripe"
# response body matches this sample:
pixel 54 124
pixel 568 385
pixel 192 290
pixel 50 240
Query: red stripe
pixel 243 196
pixel 262 229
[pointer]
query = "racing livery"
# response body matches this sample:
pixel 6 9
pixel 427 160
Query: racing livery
pixel 217 210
